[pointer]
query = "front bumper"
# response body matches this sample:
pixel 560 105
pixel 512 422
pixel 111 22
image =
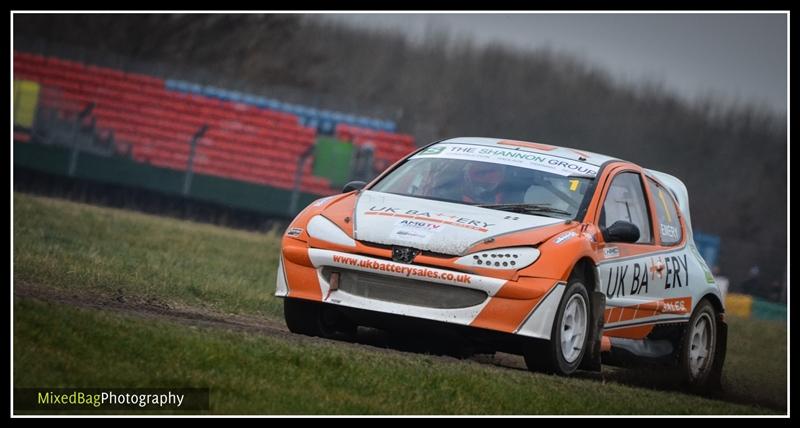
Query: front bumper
pixel 525 307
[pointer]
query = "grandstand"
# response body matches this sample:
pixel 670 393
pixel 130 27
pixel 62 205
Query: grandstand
pixel 242 137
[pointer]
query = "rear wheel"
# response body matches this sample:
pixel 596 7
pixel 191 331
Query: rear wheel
pixel 314 319
pixel 699 347
pixel 563 353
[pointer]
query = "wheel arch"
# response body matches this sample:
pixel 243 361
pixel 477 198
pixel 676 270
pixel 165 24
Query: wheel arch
pixel 586 269
pixel 715 301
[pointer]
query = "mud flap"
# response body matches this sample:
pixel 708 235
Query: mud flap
pixel 591 360
pixel 715 377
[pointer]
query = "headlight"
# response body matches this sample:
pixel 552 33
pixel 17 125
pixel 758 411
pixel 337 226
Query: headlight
pixel 501 258
pixel 323 229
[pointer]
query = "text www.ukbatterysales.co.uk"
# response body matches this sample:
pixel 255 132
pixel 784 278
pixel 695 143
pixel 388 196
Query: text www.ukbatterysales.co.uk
pixel 408 271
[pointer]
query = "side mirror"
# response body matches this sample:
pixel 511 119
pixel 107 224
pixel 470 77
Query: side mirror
pixel 355 185
pixel 621 231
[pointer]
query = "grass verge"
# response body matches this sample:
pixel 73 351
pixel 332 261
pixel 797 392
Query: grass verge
pixel 71 246
pixel 59 346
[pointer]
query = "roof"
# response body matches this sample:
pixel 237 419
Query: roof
pixel 564 152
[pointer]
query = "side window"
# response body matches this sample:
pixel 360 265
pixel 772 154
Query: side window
pixel 668 222
pixel 625 201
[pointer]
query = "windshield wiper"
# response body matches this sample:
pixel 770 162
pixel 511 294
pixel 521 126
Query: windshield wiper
pixel 527 208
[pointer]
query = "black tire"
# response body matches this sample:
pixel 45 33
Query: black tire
pixel 697 367
pixel 548 356
pixel 314 319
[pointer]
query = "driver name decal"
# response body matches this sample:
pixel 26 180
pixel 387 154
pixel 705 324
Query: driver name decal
pixel 670 231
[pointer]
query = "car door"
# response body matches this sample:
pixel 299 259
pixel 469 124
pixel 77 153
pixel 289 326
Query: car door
pixel 632 274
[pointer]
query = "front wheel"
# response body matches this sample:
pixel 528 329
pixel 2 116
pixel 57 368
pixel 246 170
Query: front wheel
pixel 314 319
pixel 563 353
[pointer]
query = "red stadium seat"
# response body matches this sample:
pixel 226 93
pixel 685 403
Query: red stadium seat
pixel 242 142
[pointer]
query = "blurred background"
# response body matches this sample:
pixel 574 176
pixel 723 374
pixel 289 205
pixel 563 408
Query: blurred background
pixel 243 119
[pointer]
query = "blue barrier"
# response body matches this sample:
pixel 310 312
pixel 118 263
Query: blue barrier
pixel 210 91
pixel 324 121
pixel 234 96
pixel 195 88
pixel 708 247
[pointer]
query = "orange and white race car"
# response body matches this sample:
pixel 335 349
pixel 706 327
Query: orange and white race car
pixel 567 257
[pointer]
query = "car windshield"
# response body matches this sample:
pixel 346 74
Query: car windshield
pixel 488 184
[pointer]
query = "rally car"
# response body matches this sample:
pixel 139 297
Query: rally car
pixel 569 258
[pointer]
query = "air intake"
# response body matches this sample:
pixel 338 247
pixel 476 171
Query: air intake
pixel 406 291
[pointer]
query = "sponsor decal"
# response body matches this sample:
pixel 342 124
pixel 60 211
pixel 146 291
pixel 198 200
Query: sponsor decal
pixel 586 234
pixel 435 150
pixel 430 217
pixel 656 268
pixel 675 305
pixel 636 278
pixel 513 157
pixel 610 252
pixel 407 234
pixel 417 272
pixel 419 225
pixel 677 268
pixel 706 271
pixel 565 237
pixel 294 232
pixel 415 231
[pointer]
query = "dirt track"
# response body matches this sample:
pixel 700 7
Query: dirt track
pixel 150 308
pixel 154 308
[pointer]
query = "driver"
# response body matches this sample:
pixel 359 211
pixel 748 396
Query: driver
pixel 482 183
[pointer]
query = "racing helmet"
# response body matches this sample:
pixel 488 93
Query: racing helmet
pixel 482 179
